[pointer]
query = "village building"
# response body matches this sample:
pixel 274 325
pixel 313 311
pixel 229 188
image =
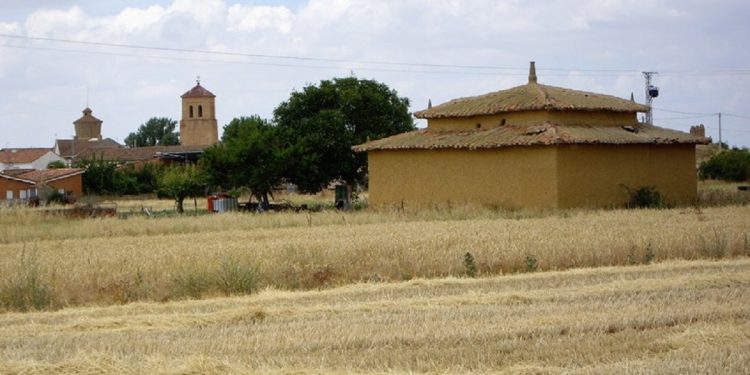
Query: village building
pixel 23 187
pixel 198 131
pixel 198 126
pixel 87 139
pixel 532 146
pixel 26 159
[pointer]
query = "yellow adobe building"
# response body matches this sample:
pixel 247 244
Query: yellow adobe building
pixel 532 146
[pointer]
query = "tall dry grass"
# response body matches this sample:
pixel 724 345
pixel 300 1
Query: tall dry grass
pixel 104 261
pixel 669 318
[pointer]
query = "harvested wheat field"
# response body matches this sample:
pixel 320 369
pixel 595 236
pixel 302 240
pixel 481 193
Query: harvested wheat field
pixel 674 317
pixel 52 262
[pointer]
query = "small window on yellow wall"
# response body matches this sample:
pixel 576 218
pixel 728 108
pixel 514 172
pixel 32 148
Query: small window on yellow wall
pixel 191 111
pixel 200 111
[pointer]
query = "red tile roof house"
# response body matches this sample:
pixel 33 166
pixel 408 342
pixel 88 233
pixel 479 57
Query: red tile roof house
pixel 26 158
pixel 19 188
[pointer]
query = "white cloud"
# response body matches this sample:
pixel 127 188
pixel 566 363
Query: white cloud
pixel 253 18
pixel 59 23
pixel 134 20
pixel 206 12
pixel 9 27
pixel 584 34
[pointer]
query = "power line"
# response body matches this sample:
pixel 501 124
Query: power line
pixel 602 72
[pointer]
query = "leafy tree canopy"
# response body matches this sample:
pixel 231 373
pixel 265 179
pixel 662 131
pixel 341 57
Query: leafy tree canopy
pixel 250 155
pixel 157 131
pixel 729 165
pixel 180 182
pixel 320 124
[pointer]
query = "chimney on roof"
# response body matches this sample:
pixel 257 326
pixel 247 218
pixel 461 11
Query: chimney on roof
pixel 632 98
pixel 532 72
pixel 429 103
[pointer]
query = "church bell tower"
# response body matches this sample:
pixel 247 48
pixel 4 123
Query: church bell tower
pixel 198 126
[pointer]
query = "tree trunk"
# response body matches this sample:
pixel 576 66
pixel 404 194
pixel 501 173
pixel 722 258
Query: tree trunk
pixel 264 201
pixel 179 205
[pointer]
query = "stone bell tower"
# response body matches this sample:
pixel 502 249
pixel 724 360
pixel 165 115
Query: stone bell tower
pixel 198 126
pixel 88 127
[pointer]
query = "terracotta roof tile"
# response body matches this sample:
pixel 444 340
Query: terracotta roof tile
pixel 87 117
pixel 139 153
pixel 45 175
pixel 71 148
pixel 542 134
pixel 21 155
pixel 198 92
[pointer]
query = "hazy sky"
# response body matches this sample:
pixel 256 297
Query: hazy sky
pixel 425 49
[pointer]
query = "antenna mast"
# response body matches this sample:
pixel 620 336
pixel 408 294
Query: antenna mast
pixel 651 93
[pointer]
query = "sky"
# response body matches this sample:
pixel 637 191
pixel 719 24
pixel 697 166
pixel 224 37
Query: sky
pixel 131 60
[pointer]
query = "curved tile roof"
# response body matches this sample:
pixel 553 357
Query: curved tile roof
pixel 198 92
pixel 530 97
pixel 546 133
pixel 87 117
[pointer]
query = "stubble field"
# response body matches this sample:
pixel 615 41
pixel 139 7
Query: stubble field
pixel 676 317
pixel 53 262
pixel 378 291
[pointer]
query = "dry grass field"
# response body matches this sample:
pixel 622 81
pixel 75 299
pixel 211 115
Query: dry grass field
pixel 53 262
pixel 674 317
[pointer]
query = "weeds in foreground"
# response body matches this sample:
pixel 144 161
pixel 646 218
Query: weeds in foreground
pixel 28 289
pixel 235 277
pixel 531 263
pixel 470 266
pixel 232 277
pixel 648 254
pixel 714 246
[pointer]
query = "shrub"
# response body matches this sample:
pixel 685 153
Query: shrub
pixel 190 283
pixel 531 263
pixel 729 165
pixel 27 290
pixel 648 254
pixel 469 265
pixel 234 277
pixel 645 197
pixel 56 164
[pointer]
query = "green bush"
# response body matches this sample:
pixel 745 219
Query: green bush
pixel 729 165
pixel 645 197
pixel 56 164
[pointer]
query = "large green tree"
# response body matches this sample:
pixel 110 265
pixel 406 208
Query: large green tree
pixel 250 155
pixel 321 123
pixel 157 131
pixel 729 165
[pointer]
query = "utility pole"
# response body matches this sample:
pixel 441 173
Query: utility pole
pixel 720 145
pixel 651 93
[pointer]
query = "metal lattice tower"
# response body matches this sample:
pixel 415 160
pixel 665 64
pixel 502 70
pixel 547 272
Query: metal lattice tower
pixel 651 93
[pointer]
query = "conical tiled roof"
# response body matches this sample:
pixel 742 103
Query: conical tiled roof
pixel 530 97
pixel 87 117
pixel 198 92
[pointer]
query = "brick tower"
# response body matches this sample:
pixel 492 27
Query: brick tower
pixel 88 127
pixel 198 126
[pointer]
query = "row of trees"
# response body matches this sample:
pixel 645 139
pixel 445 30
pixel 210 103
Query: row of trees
pixel 308 143
pixel 309 140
